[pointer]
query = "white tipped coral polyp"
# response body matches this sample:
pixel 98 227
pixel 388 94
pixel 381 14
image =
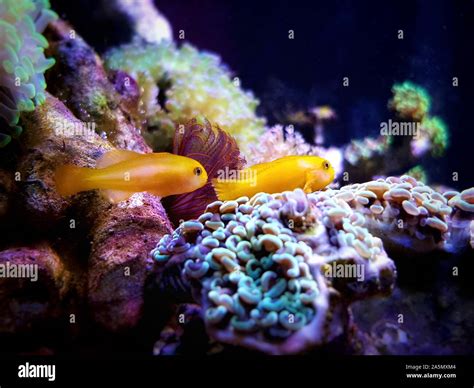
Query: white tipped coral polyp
pixel 257 266
pixel 22 59
pixel 275 273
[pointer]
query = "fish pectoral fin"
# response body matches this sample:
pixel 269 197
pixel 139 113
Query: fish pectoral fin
pixel 115 196
pixel 307 186
pixel 223 189
pixel 116 156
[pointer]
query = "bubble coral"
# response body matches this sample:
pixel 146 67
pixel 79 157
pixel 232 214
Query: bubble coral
pixel 179 84
pixel 22 60
pixel 410 101
pixel 258 268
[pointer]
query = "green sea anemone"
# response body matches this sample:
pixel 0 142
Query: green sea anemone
pixel 410 101
pixel 179 84
pixel 22 61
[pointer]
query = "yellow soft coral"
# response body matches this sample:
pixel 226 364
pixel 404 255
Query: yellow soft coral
pixel 179 84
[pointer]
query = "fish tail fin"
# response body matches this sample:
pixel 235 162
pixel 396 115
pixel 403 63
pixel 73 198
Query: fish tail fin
pixel 223 189
pixel 70 179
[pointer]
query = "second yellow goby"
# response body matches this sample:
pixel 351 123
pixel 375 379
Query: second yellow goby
pixel 309 173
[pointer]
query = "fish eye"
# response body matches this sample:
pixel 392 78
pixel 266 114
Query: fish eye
pixel 197 171
pixel 326 165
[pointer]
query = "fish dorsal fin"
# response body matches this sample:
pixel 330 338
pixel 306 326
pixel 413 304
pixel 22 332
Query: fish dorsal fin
pixel 115 196
pixel 116 156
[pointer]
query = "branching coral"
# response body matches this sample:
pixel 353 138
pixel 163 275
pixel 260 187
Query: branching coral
pixel 365 158
pixel 262 269
pixel 22 60
pixel 366 149
pixel 179 84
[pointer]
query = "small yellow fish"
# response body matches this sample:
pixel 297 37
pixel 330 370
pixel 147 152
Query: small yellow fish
pixel 121 173
pixel 310 173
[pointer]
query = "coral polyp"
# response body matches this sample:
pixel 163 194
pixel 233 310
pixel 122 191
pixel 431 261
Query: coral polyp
pixel 410 101
pixel 262 268
pixel 265 269
pixel 278 142
pixel 22 60
pixel 166 202
pixel 437 133
pixel 181 83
